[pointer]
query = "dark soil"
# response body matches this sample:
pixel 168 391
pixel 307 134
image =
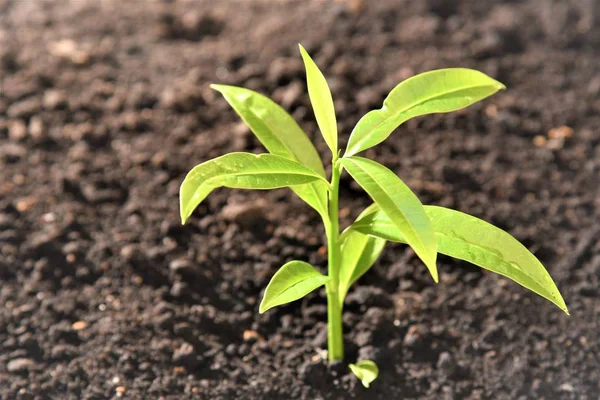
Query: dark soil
pixel 104 106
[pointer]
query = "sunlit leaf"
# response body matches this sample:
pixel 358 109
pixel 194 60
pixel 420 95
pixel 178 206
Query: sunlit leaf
pixel 321 100
pixel 241 171
pixel 366 371
pixel 281 135
pixel 358 253
pixel 437 91
pixel 471 239
pixel 292 282
pixel 399 203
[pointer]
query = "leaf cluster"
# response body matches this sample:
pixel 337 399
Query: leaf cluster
pixel 396 214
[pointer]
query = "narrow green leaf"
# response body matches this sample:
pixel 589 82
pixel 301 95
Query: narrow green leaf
pixel 292 282
pixel 366 371
pixel 273 126
pixel 399 203
pixel 358 253
pixel 471 239
pixel 321 100
pixel 437 91
pixel 281 135
pixel 241 171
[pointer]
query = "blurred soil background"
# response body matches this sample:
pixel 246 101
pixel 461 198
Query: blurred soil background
pixel 105 105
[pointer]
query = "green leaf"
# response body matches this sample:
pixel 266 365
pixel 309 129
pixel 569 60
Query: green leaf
pixel 315 195
pixel 241 171
pixel 399 203
pixel 437 91
pixel 281 135
pixel 321 100
pixel 358 253
pixel 471 239
pixel 366 371
pixel 273 126
pixel 292 282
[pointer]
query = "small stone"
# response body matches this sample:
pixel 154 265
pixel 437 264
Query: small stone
pixel 36 128
pixel 180 289
pixel 491 111
pixel 246 215
pixel 25 204
pixel 561 132
pixel 79 325
pixel 54 99
pixel 566 387
pixel 17 130
pixel 183 267
pixel 186 356
pixel 204 383
pixel 20 365
pixel 252 336
pixel 23 394
pixel 414 335
pixel 445 363
pixel 63 352
pixel 130 252
pixel 24 108
pixel 363 338
pixel 289 95
pixel 539 141
pixel 68 49
pixel 185 331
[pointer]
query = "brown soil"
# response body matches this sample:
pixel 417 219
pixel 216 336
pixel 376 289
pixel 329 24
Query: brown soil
pixel 105 105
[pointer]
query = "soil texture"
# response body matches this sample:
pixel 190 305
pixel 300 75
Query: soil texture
pixel 105 106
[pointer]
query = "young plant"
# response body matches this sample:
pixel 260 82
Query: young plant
pixel 396 215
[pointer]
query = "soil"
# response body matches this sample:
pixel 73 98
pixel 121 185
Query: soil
pixel 105 105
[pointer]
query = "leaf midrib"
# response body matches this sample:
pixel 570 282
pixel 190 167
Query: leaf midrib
pixel 290 154
pixel 407 109
pixel 242 174
pixel 320 276
pixel 502 259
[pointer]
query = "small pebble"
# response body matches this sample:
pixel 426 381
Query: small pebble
pixel 79 325
pixel 20 365
pixel 539 141
pixel 250 335
pixel 561 132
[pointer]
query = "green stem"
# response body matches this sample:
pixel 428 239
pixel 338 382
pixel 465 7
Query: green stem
pixel 335 337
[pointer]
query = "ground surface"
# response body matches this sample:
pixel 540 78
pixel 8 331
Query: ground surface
pixel 104 106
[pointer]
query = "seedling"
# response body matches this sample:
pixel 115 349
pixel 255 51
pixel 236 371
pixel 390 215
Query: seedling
pixel 396 215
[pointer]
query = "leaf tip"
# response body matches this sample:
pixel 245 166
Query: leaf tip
pixel 432 267
pixel 499 85
pixel 184 217
pixel 264 307
pixel 216 87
